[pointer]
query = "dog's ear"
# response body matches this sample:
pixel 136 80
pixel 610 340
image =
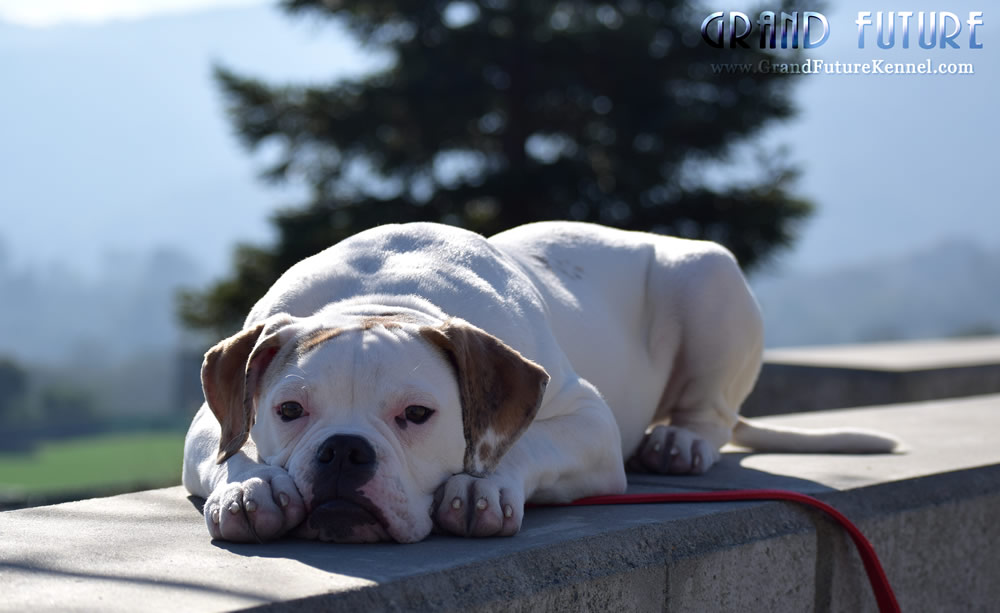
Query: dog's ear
pixel 229 377
pixel 500 390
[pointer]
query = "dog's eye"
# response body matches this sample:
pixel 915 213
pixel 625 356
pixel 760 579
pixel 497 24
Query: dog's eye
pixel 289 411
pixel 418 414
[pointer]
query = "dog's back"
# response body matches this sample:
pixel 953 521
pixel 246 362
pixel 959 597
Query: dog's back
pixel 638 313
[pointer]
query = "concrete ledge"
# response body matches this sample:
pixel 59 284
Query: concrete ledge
pixel 930 514
pixel 819 378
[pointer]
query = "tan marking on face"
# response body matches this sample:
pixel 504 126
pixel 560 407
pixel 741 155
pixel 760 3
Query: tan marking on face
pixel 386 321
pixel 313 340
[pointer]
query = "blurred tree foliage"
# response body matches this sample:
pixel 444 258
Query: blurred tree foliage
pixel 13 385
pixel 496 113
pixel 64 402
pixel 29 397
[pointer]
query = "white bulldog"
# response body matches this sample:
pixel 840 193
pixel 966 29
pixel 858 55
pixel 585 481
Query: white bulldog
pixel 420 375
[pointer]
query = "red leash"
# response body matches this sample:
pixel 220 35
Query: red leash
pixel 876 575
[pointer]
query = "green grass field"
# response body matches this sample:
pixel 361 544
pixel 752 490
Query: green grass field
pixel 112 462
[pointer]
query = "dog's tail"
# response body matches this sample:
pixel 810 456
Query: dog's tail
pixel 759 437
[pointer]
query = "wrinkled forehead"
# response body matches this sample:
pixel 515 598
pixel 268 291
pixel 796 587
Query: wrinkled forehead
pixel 357 347
pixel 364 354
pixel 382 328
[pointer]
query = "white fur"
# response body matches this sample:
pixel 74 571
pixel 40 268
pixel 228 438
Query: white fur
pixel 665 328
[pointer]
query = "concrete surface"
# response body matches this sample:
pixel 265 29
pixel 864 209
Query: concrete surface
pixel 931 514
pixel 900 356
pixel 800 379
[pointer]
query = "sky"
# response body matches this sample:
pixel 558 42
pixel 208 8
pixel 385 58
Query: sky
pixel 894 162
pixel 116 140
pixel 126 160
pixel 45 13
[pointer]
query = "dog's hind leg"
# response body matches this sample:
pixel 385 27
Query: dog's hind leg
pixel 716 366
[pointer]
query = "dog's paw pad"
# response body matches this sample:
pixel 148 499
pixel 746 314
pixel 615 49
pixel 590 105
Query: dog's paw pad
pixel 260 508
pixel 674 450
pixel 472 506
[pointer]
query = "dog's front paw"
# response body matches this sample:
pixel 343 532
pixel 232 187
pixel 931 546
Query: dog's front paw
pixel 674 450
pixel 257 507
pixel 473 506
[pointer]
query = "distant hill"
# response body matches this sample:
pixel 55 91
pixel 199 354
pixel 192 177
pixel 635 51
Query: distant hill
pixel 949 289
pixel 53 316
pixel 111 340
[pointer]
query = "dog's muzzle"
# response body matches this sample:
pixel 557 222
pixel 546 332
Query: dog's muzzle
pixel 344 463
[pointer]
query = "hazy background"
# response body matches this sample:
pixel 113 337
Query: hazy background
pixel 121 180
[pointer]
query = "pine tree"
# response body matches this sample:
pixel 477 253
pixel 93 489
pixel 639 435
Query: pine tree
pixel 496 113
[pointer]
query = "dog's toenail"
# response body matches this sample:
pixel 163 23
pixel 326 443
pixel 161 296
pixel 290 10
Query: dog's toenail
pixel 234 508
pixel 481 504
pixel 251 506
pixel 456 503
pixel 283 499
pixel 215 516
pixel 674 451
pixel 508 511
pixel 657 447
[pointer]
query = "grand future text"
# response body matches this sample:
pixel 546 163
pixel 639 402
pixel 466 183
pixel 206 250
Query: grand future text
pixel 810 29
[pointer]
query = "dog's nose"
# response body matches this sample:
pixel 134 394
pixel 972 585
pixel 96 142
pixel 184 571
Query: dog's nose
pixel 345 451
pixel 344 464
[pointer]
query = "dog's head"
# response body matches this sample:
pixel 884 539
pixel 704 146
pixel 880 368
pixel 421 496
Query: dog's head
pixel 370 414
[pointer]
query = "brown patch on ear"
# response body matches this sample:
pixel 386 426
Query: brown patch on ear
pixel 485 451
pixel 229 376
pixel 500 390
